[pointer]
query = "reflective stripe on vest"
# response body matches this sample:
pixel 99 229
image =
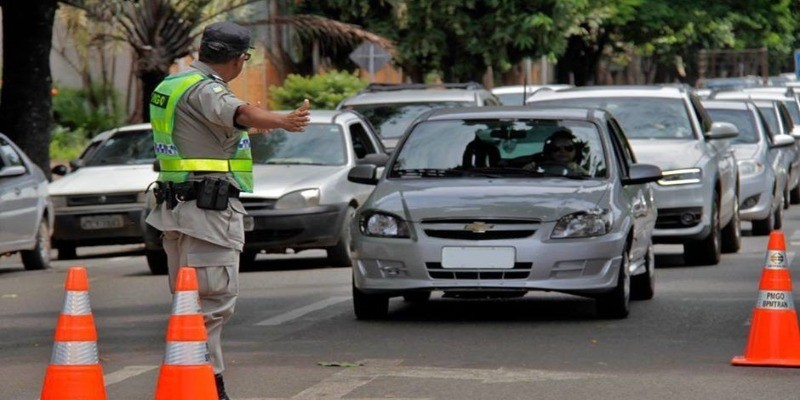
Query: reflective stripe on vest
pixel 176 168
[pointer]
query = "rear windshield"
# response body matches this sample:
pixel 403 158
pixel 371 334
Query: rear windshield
pixel 743 119
pixel 392 120
pixel 641 118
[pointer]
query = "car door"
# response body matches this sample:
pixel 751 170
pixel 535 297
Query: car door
pixel 18 199
pixel 638 197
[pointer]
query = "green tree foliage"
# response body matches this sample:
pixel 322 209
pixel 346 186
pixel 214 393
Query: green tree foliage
pixel 324 90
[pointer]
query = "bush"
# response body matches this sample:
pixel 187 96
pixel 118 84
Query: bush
pixel 89 111
pixel 67 144
pixel 325 91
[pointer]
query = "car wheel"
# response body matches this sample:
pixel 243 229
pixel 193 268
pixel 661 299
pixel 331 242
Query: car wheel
pixel 370 306
pixel 709 250
pixel 39 256
pixel 777 219
pixel 732 233
pixel 616 303
pixel 794 195
pixel 339 255
pixel 66 251
pixel 157 261
pixel 417 297
pixel 643 286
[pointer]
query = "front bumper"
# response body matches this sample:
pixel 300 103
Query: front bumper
pixel 99 226
pixel 579 266
pixel 312 227
pixel 755 185
pixel 674 201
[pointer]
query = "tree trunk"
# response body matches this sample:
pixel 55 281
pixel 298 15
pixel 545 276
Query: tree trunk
pixel 149 79
pixel 25 101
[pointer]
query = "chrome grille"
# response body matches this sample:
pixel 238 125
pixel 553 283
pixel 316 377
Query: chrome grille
pixel 480 229
pixel 253 203
pixel 521 270
pixel 99 199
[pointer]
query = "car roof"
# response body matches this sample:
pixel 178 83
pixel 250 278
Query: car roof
pixel 512 89
pixel 726 105
pixel 666 91
pixel 511 112
pixel 751 95
pixel 412 93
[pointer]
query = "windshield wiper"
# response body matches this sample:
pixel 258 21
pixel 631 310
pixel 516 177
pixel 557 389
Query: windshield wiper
pixel 428 172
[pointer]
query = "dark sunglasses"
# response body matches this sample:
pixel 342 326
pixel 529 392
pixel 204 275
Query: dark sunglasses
pixel 246 56
pixel 568 147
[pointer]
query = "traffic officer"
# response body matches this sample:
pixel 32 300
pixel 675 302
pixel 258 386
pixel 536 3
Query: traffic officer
pixel 201 142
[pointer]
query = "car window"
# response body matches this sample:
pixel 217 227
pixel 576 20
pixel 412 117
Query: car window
pixel 743 119
pixel 764 124
pixel 786 117
pixel 124 148
pixel 771 116
pixel 392 120
pixel 8 155
pixel 793 109
pixel 640 117
pixel 361 143
pixel 450 148
pixel 318 144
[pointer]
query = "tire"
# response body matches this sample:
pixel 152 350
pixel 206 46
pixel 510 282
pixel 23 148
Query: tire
pixel 732 233
pixel 370 306
pixel 417 297
pixel 66 251
pixel 39 257
pixel 643 286
pixel 616 303
pixel 777 218
pixel 709 250
pixel 794 195
pixel 156 261
pixel 763 227
pixel 339 255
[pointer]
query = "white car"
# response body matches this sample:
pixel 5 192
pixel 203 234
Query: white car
pixel 102 201
pixel 515 95
pixel 26 213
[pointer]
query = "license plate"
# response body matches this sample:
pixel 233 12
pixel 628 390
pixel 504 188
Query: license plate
pixel 249 223
pixel 95 222
pixel 478 257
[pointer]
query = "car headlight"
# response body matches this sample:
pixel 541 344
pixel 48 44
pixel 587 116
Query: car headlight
pixel 595 222
pixel 59 201
pixel 681 177
pixel 750 167
pixel 383 225
pixel 298 199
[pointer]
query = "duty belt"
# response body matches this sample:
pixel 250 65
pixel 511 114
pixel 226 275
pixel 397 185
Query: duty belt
pixel 187 191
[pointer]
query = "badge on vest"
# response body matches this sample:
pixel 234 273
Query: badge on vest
pixel 159 100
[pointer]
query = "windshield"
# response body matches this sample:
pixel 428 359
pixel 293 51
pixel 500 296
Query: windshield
pixel 495 148
pixel 640 117
pixel 392 120
pixel 124 148
pixel 743 119
pixel 318 144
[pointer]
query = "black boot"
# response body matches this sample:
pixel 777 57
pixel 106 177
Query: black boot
pixel 221 388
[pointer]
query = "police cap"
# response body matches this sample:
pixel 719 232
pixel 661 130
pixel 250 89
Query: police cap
pixel 227 37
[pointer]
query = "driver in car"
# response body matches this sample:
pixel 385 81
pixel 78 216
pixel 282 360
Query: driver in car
pixel 561 149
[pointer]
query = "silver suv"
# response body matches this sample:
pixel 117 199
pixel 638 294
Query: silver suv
pixel 667 126
pixel 391 108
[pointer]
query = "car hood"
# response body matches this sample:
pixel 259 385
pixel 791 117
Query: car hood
pixel 273 181
pixel 542 199
pixel 106 179
pixel 745 151
pixel 668 154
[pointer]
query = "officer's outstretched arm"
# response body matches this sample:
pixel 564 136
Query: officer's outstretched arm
pixel 254 117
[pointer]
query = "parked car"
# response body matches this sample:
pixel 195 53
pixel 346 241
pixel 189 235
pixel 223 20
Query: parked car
pixel 302 198
pixel 515 95
pixel 102 202
pixel 667 126
pixel 764 160
pixel 391 108
pixel 458 210
pixel 26 211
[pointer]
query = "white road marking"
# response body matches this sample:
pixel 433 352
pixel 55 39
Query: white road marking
pixel 127 373
pixel 299 312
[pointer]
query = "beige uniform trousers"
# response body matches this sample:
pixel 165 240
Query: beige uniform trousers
pixel 218 286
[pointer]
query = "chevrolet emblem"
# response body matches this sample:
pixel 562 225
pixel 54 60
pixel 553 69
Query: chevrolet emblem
pixel 478 227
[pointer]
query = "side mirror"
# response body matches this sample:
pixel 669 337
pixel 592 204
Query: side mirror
pixel 14 170
pixel 642 173
pixel 364 173
pixel 795 133
pixel 75 164
pixel 377 159
pixel 782 141
pixel 156 166
pixel 60 170
pixel 722 130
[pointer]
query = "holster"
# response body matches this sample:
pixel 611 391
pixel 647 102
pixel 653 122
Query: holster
pixel 210 193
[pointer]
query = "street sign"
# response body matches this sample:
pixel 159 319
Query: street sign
pixel 797 63
pixel 370 57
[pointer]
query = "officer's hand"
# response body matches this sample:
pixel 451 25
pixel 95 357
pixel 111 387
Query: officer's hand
pixel 298 119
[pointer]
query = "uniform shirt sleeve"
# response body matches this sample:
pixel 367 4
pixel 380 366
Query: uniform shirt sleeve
pixel 216 103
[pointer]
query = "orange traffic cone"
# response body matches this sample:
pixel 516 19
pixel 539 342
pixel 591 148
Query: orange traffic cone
pixel 74 372
pixel 186 372
pixel 774 335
